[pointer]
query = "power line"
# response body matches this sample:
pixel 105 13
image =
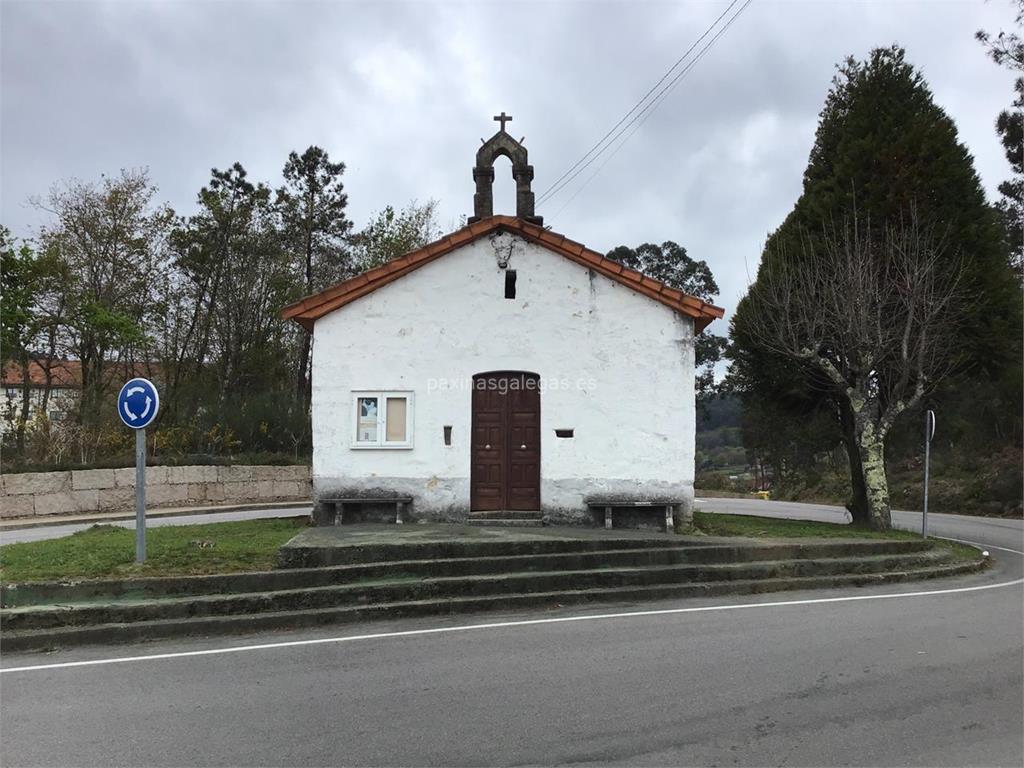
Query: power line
pixel 651 106
pixel 648 111
pixel 642 100
pixel 638 120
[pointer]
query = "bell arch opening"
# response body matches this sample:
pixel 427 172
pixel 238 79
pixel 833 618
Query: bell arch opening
pixel 503 145
pixel 504 188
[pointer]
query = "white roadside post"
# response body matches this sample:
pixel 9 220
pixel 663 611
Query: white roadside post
pixel 137 405
pixel 929 433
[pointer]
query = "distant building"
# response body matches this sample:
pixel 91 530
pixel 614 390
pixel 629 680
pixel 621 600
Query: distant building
pixel 65 383
pixel 65 390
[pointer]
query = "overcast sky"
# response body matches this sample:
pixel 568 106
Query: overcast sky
pixel 403 93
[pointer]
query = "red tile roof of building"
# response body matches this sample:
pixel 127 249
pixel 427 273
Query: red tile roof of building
pixel 67 374
pixel 306 311
pixel 64 373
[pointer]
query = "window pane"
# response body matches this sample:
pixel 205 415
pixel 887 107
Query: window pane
pixel 366 431
pixel 396 420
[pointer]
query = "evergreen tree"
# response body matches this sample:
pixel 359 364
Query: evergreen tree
pixel 1007 49
pixel 670 264
pixel 882 147
pixel 231 254
pixel 884 151
pixel 314 227
pixel 24 275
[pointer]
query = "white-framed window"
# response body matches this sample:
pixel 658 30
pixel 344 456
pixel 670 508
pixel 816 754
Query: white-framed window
pixel 382 419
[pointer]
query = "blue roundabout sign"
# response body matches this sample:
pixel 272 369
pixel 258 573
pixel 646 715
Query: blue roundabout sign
pixel 137 403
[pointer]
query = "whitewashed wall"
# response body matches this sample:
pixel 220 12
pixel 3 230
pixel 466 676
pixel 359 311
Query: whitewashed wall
pixel 63 401
pixel 633 411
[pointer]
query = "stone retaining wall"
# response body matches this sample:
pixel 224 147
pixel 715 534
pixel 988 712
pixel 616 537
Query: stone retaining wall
pixel 33 494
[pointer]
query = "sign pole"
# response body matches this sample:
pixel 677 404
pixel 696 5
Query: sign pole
pixel 137 405
pixel 140 495
pixel 929 433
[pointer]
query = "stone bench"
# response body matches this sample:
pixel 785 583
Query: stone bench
pixel 662 508
pixel 400 503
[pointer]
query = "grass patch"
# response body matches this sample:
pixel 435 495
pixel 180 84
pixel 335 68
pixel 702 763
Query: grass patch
pixel 715 524
pixel 755 527
pixel 107 551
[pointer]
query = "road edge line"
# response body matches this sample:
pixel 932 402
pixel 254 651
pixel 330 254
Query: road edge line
pixel 503 625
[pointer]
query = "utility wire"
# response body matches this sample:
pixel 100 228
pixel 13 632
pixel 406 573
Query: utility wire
pixel 641 118
pixel 584 162
pixel 642 100
pixel 647 110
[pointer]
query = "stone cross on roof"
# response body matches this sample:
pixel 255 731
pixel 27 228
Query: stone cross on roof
pixel 502 144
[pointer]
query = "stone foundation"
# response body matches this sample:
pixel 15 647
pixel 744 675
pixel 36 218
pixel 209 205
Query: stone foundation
pixel 36 494
pixel 563 502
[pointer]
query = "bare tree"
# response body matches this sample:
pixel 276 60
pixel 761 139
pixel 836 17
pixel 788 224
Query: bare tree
pixel 109 239
pixel 868 312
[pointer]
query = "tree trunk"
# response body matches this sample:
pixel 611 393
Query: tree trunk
pixel 26 396
pixel 871 449
pixel 85 357
pixel 303 383
pixel 51 353
pixel 858 504
pixel 303 380
pixel 44 406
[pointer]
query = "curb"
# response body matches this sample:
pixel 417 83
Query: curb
pixel 16 524
pixel 431 564
pixel 42 615
pixel 72 635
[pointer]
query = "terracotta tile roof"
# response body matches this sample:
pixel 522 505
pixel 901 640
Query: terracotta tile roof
pixel 68 373
pixel 306 311
pixel 65 373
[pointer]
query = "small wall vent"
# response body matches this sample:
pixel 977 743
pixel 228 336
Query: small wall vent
pixel 564 432
pixel 510 284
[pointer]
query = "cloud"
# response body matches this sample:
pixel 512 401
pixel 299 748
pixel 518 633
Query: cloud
pixel 403 92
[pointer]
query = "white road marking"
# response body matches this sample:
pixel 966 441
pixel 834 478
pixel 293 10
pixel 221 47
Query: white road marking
pixel 981 546
pixel 505 625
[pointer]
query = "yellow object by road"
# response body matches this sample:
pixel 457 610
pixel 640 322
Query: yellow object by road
pixel 763 495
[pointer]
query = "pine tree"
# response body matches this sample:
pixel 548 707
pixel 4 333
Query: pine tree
pixel 315 228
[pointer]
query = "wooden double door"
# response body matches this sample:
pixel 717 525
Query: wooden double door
pixel 505 442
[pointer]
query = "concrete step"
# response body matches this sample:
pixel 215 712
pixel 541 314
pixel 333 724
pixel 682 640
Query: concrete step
pixel 399 588
pixel 313 555
pixel 13 640
pixel 291 556
pixel 507 522
pixel 668 553
pixel 505 514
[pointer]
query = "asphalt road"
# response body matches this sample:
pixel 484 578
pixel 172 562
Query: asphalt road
pixel 911 674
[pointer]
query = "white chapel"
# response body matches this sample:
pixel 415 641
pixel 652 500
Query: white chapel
pixel 503 372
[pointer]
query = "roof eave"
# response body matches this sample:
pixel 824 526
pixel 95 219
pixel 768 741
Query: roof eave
pixel 308 310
